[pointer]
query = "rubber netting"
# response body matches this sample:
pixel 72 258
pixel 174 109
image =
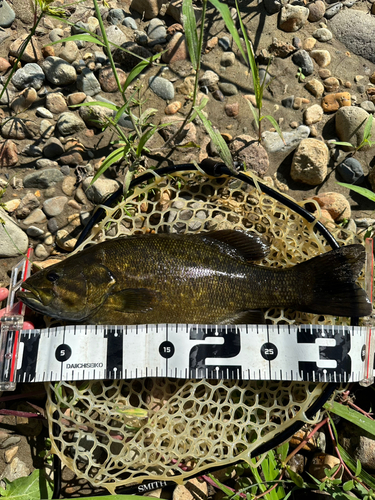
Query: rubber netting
pixel 116 433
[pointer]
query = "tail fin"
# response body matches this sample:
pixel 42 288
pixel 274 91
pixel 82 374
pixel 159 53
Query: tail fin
pixel 329 283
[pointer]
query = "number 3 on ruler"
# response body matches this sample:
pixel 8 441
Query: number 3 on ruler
pixel 229 349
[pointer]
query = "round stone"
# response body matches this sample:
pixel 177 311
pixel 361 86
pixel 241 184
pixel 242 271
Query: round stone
pixel 69 123
pixel 58 71
pixel 31 75
pixel 351 171
pixel 162 87
pixel 316 11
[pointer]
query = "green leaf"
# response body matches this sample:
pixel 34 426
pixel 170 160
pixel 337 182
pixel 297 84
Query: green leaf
pixel 255 116
pixel 338 143
pixel 353 416
pixel 218 141
pixel 32 487
pixel 147 114
pixel 120 112
pixel 273 122
pixel 349 461
pixel 367 130
pixel 96 103
pixel 223 488
pixel 358 468
pixel 282 451
pixel 112 158
pixel 145 137
pixel 349 485
pixel 190 27
pixel 82 37
pixel 227 18
pixel 296 478
pixel 360 190
pixel 138 69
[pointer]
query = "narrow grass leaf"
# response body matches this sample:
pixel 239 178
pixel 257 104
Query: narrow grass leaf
pixel 358 468
pixel 351 415
pixel 96 103
pixel 138 69
pixel 273 122
pixel 367 130
pixel 360 190
pixel 82 37
pixel 147 114
pixel 221 486
pixel 110 160
pixel 296 478
pixel 190 27
pixel 120 111
pixel 255 116
pixel 145 137
pixel 339 143
pixel 282 450
pixel 218 141
pixel 350 462
pixel 227 18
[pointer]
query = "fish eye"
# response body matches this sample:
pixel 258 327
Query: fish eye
pixel 52 276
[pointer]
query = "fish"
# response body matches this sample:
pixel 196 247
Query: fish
pixel 204 278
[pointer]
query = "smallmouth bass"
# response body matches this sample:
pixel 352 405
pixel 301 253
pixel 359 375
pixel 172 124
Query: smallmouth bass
pixel 193 278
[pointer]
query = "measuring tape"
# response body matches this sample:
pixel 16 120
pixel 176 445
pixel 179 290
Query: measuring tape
pixel 311 353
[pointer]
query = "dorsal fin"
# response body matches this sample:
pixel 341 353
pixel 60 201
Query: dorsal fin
pixel 249 245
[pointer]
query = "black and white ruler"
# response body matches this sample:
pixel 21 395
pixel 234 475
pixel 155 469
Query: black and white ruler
pixel 251 352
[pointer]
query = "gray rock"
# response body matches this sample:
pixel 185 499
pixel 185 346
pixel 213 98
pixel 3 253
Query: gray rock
pixel 350 123
pixel 15 469
pixel 58 71
pixel 41 252
pixel 162 87
pixel 333 10
pixel 129 22
pixel 46 163
pixel 87 83
pixel 224 42
pixel 69 123
pixel 156 29
pixel 7 96
pixel 7 248
pixel 14 128
pixel 273 143
pixel 34 232
pixel 69 51
pixel 54 206
pixel 11 441
pixel 351 171
pixel 130 60
pixel 43 178
pixel 79 28
pixel 31 75
pixel 53 148
pixel 355 29
pixel 368 106
pixel 293 17
pixel 116 36
pixel 56 34
pixel 140 37
pixel 227 59
pixel 208 79
pixel 46 129
pixel 100 189
pixel 43 112
pixel 36 217
pixel 7 14
pixel 52 226
pixel 303 61
pixel 95 116
pixel 228 88
pixel 32 150
pixel 359 444
pixel 124 120
pixel 288 102
pixel 28 203
pixel 116 16
pixel 100 57
pixel 322 35
pixel 272 6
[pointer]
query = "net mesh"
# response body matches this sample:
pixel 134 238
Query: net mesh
pixel 116 433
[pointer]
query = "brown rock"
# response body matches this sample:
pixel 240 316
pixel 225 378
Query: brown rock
pixel 321 57
pixel 246 149
pixel 372 78
pixel 148 8
pixel 4 65
pixel 192 490
pixel 76 98
pixel 323 461
pixel 10 454
pixel 8 154
pixel 310 160
pixel 313 114
pixel 176 49
pixel 172 108
pixel 232 109
pixel 48 51
pixel 69 185
pixel 371 94
pixel 309 44
pixel 315 87
pixel 107 79
pixel 336 204
pixel 252 99
pixel 281 49
pixel 297 103
pixel 71 159
pixel 56 103
pixel 324 73
pixel 177 27
pixel 331 84
pixel 211 44
pixel 316 11
pixel 32 52
pixel 332 102
pixel 293 17
pixel 24 100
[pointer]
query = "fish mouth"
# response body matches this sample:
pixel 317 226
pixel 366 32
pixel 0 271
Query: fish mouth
pixel 30 296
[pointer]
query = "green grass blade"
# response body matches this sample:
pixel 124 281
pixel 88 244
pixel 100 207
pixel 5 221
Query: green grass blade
pixel 367 129
pixel 96 103
pixel 217 139
pixel 190 27
pixel 120 112
pixel 225 14
pixel 338 143
pixel 351 415
pixel 274 123
pixel 110 160
pixel 255 115
pixel 351 463
pixel 138 69
pixel 82 37
pixel 145 137
pixel 360 190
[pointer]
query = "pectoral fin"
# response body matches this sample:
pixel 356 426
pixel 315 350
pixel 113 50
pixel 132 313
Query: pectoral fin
pixel 132 300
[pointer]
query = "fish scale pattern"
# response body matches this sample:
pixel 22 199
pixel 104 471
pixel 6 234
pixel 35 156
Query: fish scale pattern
pixel 116 433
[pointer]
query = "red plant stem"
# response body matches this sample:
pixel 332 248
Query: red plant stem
pixel 306 439
pixel 212 483
pixel 359 409
pixel 22 396
pixel 270 489
pixel 25 414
